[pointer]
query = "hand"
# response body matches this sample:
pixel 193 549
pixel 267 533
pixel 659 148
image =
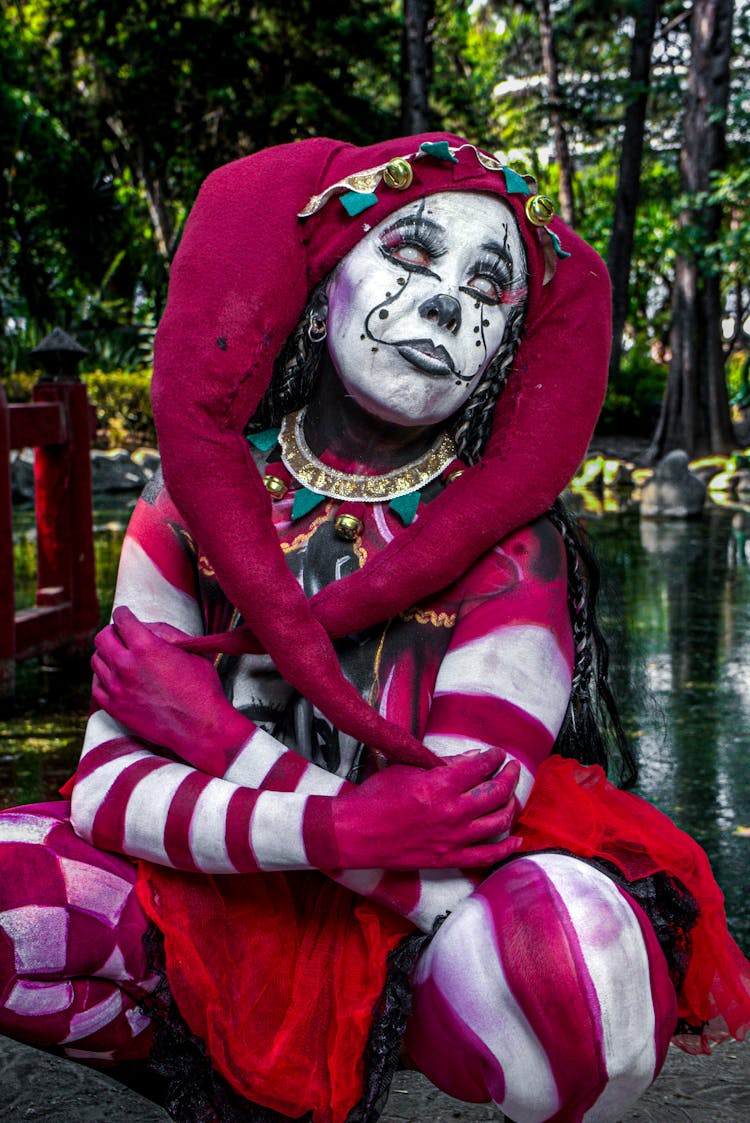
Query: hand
pixel 166 696
pixel 405 818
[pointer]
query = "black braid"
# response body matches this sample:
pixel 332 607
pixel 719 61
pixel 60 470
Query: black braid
pixel 473 427
pixel 592 728
pixel 295 371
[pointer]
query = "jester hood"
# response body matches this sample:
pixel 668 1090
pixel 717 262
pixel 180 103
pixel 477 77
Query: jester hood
pixel 264 231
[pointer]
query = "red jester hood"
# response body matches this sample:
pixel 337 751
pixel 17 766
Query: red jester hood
pixel 263 232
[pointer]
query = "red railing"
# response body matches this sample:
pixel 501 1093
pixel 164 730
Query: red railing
pixel 58 424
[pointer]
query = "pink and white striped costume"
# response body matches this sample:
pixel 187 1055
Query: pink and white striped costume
pixel 545 990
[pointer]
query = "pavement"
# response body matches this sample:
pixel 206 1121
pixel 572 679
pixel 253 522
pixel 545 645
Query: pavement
pixel 33 1085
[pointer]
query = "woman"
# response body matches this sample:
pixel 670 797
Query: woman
pixel 557 979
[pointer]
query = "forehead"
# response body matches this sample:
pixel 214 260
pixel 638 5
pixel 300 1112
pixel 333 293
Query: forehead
pixel 468 218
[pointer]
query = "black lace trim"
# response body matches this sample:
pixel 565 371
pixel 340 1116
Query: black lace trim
pixel 389 1025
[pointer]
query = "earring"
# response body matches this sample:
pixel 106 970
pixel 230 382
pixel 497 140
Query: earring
pixel 317 327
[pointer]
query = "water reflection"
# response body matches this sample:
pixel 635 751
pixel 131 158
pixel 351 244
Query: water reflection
pixel 676 609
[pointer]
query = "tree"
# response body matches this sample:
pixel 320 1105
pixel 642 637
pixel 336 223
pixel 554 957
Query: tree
pixel 555 102
pixel 695 410
pixel 629 178
pixel 416 66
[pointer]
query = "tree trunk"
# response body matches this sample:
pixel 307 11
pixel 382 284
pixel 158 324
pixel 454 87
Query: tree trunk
pixel 416 66
pixel 695 411
pixel 629 180
pixel 555 103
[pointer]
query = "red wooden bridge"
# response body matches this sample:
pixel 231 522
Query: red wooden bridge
pixel 58 423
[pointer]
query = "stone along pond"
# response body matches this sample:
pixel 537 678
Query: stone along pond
pixel 675 607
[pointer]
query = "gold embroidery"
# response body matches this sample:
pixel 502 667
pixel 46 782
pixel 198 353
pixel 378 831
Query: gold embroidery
pixel 306 535
pixel 428 616
pixel 205 567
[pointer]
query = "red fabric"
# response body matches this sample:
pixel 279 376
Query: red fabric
pixel 279 974
pixel 576 808
pixel 237 287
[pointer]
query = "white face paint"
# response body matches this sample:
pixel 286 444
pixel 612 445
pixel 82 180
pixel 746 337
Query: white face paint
pixel 418 308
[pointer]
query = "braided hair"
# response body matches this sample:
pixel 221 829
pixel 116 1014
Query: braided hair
pixel 591 731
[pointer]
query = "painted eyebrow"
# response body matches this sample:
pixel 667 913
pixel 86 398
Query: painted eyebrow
pixel 416 220
pixel 496 248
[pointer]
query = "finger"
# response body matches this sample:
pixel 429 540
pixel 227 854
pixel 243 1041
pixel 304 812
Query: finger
pixel 106 638
pixel 100 668
pixel 166 631
pixel 488 854
pixel 489 828
pixel 472 768
pixel 127 625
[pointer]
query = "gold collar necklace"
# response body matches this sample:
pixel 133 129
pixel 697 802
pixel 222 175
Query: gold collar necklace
pixel 316 476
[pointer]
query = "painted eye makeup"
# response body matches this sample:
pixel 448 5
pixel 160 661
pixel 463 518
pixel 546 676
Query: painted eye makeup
pixel 413 243
pixel 490 277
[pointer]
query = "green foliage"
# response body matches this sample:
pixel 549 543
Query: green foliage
pixel 111 115
pixel 634 397
pixel 123 406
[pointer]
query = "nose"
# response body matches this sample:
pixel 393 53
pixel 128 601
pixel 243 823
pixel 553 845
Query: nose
pixel 445 311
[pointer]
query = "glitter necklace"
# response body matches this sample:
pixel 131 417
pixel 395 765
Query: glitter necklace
pixel 316 476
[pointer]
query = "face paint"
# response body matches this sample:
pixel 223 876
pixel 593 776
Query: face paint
pixel 418 308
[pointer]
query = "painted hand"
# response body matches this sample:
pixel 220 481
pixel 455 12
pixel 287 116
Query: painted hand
pixel 166 696
pixel 405 818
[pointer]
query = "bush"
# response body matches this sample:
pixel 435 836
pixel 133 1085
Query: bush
pixel 123 406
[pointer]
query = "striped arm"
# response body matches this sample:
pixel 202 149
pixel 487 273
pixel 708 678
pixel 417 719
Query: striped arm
pixel 507 673
pixel 505 679
pixel 129 799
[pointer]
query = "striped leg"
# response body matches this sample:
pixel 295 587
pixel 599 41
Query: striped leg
pixel 547 992
pixel 72 964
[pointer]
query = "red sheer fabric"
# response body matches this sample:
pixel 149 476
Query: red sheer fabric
pixel 576 808
pixel 280 975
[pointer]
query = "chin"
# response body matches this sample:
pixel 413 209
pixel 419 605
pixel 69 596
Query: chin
pixel 404 414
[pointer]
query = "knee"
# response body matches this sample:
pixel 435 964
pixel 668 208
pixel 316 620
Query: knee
pixel 559 988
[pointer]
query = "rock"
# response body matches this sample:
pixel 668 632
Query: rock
pixel 116 471
pixel 148 459
pixel 22 475
pixel 673 492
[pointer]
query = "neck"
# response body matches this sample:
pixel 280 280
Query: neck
pixel 334 423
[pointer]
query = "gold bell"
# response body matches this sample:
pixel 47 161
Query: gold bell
pixel 540 210
pixel 348 527
pixel 398 174
pixel 275 487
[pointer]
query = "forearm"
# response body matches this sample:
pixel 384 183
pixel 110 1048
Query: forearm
pixel 128 799
pixel 272 810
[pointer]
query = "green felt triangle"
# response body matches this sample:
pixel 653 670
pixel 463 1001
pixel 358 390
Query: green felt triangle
pixel 354 202
pixel 405 506
pixel 305 501
pixel 556 243
pixel 264 441
pixel 440 149
pixel 515 183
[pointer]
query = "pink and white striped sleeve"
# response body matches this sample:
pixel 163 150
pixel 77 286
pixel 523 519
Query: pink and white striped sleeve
pixel 133 800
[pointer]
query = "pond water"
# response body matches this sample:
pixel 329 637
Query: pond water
pixel 675 607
